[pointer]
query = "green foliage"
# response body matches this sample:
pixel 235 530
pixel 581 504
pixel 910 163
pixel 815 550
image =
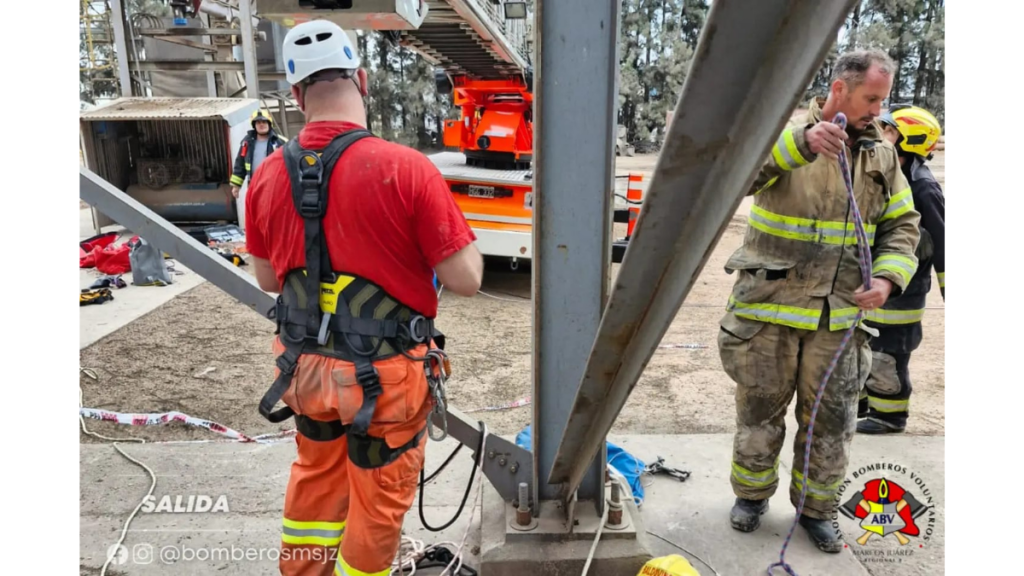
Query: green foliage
pixel 913 33
pixel 656 46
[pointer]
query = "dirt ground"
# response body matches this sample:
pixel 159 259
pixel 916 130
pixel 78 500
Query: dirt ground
pixel 157 363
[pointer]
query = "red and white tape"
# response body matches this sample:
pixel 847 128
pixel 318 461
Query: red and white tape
pixel 157 419
pixel 684 346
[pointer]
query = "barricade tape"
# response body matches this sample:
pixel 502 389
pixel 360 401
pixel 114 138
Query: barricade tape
pixel 158 419
pixel 684 346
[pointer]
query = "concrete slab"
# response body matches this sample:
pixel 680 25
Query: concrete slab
pixel 693 514
pixel 548 550
pixel 129 303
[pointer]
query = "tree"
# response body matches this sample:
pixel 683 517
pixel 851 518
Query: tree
pixel 912 32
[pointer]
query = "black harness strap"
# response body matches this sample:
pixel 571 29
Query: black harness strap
pixel 369 452
pixel 319 430
pixel 310 174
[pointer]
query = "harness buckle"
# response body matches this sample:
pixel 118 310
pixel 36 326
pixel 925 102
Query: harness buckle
pixel 324 333
pixel 285 364
pixel 369 379
pixel 414 325
pixel 310 204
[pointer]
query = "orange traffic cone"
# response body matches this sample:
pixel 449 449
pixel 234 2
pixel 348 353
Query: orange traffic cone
pixel 634 197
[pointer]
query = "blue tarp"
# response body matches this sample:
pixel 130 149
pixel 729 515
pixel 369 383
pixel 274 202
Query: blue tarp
pixel 625 463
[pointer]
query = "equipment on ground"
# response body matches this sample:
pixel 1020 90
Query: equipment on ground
pixel 99 296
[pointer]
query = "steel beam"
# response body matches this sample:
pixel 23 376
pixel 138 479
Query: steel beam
pixel 505 464
pixel 186 66
pixel 211 77
pixel 198 65
pixel 252 83
pixel 135 216
pixel 752 63
pixel 576 102
pixel 194 31
pixel 121 47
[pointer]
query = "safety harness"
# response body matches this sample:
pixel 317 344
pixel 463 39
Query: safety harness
pixel 321 311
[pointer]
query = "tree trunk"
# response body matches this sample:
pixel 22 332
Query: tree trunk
pixel 386 128
pixel 403 93
pixel 645 78
pixel 922 64
pixel 855 26
pixel 898 57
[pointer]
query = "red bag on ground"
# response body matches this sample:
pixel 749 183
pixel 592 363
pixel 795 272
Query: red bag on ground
pixel 113 260
pixel 88 247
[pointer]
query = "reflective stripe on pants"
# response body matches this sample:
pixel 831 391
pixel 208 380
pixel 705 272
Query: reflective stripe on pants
pixel 768 369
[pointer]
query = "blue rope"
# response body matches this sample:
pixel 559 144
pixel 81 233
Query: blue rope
pixel 865 270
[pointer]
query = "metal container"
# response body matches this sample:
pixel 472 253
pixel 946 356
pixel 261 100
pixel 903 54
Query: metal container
pixel 174 155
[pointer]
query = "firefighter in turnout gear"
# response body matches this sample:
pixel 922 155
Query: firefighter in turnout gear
pixel 257 145
pixel 885 399
pixel 349 230
pixel 799 287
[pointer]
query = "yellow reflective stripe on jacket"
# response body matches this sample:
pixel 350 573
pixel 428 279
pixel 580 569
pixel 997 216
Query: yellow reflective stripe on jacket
pixel 806 229
pixel 768 185
pixel 942 279
pixel 342 568
pixel 816 490
pixel 761 479
pixel 883 316
pixel 236 180
pixel 792 316
pixel 888 406
pixel 898 205
pixel 248 167
pixel 842 318
pixel 317 533
pixel 785 152
pixel 897 264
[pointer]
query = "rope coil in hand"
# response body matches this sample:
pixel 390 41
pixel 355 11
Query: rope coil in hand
pixel 865 271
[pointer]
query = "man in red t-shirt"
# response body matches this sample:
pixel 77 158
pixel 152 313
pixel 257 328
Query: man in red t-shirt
pixel 390 220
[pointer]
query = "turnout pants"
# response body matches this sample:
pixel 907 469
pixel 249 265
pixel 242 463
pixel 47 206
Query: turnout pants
pixel 339 518
pixel 886 394
pixel 769 363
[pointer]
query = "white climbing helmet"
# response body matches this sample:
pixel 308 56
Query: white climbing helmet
pixel 314 46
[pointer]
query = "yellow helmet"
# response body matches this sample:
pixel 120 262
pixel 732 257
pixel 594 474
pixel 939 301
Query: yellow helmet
pixel 918 128
pixel 672 565
pixel 261 115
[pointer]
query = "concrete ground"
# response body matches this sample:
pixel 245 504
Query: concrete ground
pixel 252 479
pixel 129 303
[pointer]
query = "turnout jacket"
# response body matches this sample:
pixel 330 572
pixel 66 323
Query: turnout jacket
pixel 799 264
pixel 243 161
pixel 899 320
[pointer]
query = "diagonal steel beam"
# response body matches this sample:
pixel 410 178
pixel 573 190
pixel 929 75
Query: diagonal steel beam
pixel 167 237
pixel 505 464
pixel 752 63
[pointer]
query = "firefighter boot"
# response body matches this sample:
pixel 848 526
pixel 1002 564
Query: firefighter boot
pixel 746 514
pixel 877 426
pixel 824 535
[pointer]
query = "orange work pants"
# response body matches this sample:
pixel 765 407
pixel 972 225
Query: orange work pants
pixel 340 519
